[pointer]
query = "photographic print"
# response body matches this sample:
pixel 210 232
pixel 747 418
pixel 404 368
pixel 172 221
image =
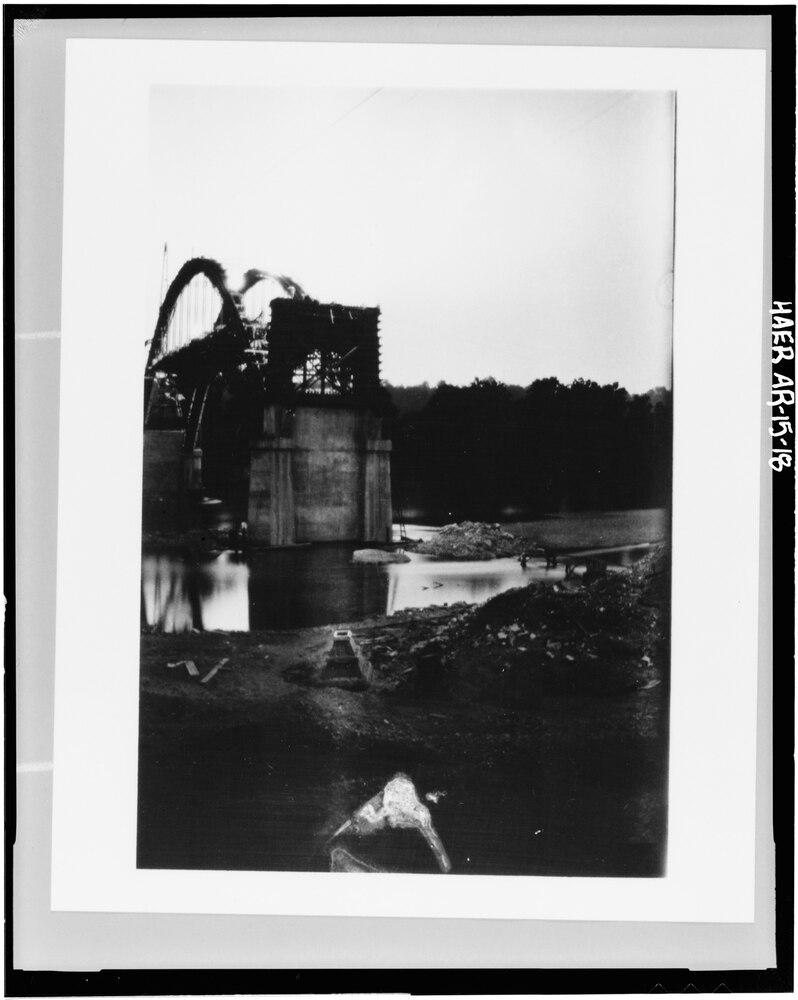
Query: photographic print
pixel 407 467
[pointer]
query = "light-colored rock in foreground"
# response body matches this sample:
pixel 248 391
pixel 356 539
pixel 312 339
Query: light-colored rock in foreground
pixel 379 556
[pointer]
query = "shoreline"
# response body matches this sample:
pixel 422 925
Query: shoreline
pixel 552 646
pixel 557 533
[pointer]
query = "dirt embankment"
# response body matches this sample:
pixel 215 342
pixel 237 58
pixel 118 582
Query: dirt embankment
pixel 438 673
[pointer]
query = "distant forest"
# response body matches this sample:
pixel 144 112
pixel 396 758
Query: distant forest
pixel 490 450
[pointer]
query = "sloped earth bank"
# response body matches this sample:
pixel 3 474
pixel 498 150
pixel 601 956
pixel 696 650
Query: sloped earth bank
pixel 536 722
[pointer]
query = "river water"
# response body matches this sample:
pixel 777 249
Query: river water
pixel 312 585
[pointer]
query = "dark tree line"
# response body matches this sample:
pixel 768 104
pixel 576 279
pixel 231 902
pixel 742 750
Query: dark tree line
pixel 480 450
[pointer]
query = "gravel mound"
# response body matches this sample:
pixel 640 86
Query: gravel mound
pixel 473 540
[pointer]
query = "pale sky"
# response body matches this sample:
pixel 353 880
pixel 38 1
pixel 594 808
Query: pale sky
pixel 513 234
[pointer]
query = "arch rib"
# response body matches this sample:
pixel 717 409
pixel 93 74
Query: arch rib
pixel 217 276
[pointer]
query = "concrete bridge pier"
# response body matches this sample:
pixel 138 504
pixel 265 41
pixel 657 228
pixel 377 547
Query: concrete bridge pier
pixel 377 512
pixel 319 475
pixel 270 518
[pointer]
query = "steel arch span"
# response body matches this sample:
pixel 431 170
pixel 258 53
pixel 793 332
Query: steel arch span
pixel 217 276
pixel 231 313
pixel 190 362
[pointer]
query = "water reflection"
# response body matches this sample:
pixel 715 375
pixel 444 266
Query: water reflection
pixel 425 581
pixel 180 594
pixel 312 585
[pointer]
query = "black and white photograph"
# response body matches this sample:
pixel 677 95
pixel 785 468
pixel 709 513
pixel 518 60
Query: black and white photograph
pixel 407 471
pixel 402 412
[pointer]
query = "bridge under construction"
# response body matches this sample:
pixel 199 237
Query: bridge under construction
pixel 268 399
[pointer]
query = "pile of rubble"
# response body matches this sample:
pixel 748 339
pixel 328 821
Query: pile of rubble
pixel 394 648
pixel 473 540
pixel 540 639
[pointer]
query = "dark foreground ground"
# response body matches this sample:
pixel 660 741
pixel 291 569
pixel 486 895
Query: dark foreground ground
pixel 537 723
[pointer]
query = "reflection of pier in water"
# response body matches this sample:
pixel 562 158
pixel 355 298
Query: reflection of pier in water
pixel 313 585
pixel 305 586
pixel 320 585
pixel 178 596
